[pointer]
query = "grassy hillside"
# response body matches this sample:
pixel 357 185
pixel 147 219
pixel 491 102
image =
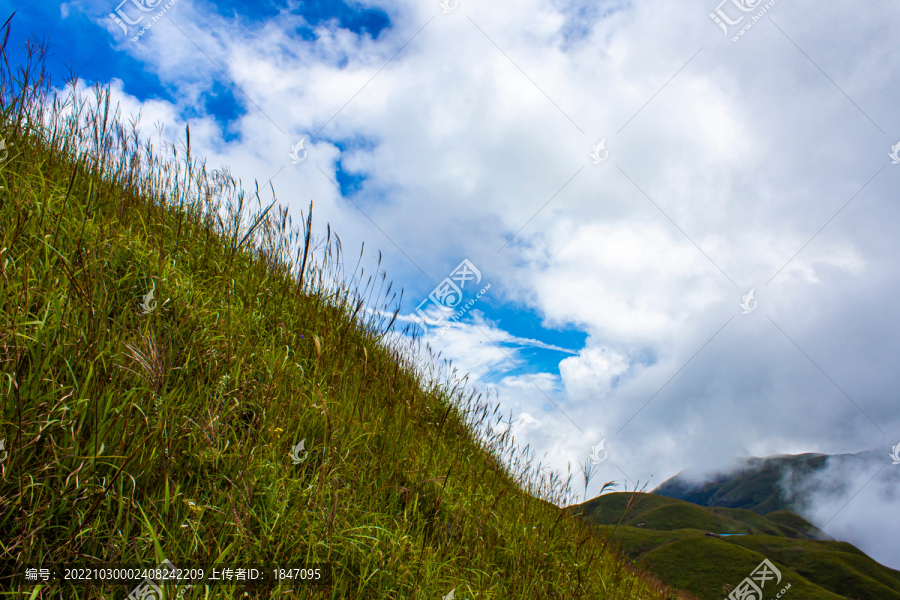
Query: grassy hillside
pixel 837 566
pixel 795 526
pixel 668 514
pixel 679 549
pixel 140 428
pixel 710 567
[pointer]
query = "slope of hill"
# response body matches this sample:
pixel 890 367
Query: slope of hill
pixel 676 541
pixel 185 380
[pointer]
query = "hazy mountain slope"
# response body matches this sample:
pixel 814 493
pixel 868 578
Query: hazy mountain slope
pixel 769 484
pixel 671 538
pixel 754 485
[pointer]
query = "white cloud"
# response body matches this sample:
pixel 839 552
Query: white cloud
pixel 855 499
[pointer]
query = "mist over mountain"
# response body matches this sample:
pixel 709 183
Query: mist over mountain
pixel 851 497
pixel 708 550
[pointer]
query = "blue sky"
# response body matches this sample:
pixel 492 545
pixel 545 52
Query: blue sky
pixel 438 132
pixel 80 42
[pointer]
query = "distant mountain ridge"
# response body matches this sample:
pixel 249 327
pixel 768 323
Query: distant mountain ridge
pixel 762 485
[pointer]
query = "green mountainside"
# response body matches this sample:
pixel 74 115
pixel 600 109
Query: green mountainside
pixel 754 485
pixel 681 543
pixel 187 377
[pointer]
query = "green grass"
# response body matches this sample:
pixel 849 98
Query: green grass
pixel 710 567
pixel 795 526
pixel 837 566
pixel 133 437
pixel 666 514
